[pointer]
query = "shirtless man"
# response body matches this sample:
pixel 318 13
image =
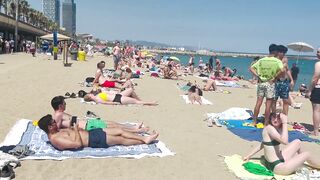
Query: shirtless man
pixel 284 82
pixel 116 55
pixel 314 94
pixel 75 138
pixel 228 72
pixel 108 81
pixel 63 119
pixel 218 63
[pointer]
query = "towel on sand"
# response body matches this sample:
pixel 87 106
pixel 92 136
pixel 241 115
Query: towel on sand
pixel 86 102
pixel 25 133
pixel 235 165
pixel 204 101
pixel 232 113
pixel 255 134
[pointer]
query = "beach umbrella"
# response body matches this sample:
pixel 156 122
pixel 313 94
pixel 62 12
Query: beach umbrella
pixel 300 47
pixel 60 37
pixel 174 58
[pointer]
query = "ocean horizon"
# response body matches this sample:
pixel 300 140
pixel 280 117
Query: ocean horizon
pixel 242 65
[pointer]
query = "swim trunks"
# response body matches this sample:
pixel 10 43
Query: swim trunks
pixel 282 89
pixel 95 124
pixel 109 84
pixel 266 89
pixel 315 96
pixel 97 139
pixel 117 98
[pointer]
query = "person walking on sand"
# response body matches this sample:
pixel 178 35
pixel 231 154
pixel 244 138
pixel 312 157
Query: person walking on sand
pixel 75 138
pixel 191 64
pixel 314 94
pixel 294 72
pixel 210 64
pixel 266 70
pixel 116 55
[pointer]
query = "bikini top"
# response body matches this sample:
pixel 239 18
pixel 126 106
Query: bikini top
pixel 271 143
pixel 103 96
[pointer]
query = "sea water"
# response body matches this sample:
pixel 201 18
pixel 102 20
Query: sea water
pixel 242 65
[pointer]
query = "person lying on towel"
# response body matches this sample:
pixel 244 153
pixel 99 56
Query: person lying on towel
pixel 287 160
pixel 64 119
pixel 75 138
pixel 124 98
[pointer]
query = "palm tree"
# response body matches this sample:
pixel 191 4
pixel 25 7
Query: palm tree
pixel 1 4
pixel 23 9
pixel 12 10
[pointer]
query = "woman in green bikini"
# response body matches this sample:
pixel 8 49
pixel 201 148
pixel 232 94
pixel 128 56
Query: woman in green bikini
pixel 288 160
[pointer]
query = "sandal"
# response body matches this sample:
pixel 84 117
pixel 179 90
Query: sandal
pixel 73 95
pixel 67 94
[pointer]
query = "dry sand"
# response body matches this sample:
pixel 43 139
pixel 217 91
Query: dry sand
pixel 28 85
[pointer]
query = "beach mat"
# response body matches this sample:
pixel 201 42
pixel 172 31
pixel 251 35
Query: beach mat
pixel 232 84
pixel 255 134
pixel 234 164
pixel 204 100
pixel 25 133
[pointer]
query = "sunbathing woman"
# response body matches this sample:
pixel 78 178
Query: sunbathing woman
pixel 109 82
pixel 210 85
pixel 291 158
pixel 125 97
pixel 194 94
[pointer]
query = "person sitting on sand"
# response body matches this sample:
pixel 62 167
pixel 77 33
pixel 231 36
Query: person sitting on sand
pixel 288 160
pixel 194 94
pixel 108 81
pixel 210 85
pixel 75 138
pixel 169 72
pixel 63 119
pixel 108 98
pixel 228 72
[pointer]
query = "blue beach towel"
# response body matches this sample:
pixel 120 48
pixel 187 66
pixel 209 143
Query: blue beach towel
pixel 254 134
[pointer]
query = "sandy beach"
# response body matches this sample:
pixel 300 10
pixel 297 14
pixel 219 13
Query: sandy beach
pixel 28 85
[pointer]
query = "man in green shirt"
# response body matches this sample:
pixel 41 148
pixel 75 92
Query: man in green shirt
pixel 266 70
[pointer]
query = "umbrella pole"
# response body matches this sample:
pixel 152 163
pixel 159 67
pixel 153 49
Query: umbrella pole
pixel 298 58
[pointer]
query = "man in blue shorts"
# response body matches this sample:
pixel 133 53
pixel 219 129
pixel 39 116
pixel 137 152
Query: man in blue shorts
pixel 284 81
pixel 75 138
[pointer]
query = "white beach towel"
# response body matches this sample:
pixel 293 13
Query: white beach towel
pixel 204 101
pixel 233 113
pixel 25 133
pixel 86 102
pixel 203 78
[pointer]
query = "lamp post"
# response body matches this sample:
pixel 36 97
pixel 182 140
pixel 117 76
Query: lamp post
pixel 16 27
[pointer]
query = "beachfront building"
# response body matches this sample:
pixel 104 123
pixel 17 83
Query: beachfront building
pixel 69 16
pixel 51 9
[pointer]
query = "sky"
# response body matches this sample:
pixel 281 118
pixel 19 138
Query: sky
pixel 222 25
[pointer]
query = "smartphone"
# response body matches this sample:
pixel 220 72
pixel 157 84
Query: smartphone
pixel 73 120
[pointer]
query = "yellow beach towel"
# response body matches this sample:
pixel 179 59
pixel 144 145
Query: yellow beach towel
pixel 235 162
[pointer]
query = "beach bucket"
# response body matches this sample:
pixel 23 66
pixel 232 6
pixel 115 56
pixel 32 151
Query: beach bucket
pixel 82 55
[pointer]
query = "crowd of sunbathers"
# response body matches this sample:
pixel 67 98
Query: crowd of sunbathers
pixel 69 132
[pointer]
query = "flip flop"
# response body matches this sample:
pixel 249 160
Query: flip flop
pixel 67 94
